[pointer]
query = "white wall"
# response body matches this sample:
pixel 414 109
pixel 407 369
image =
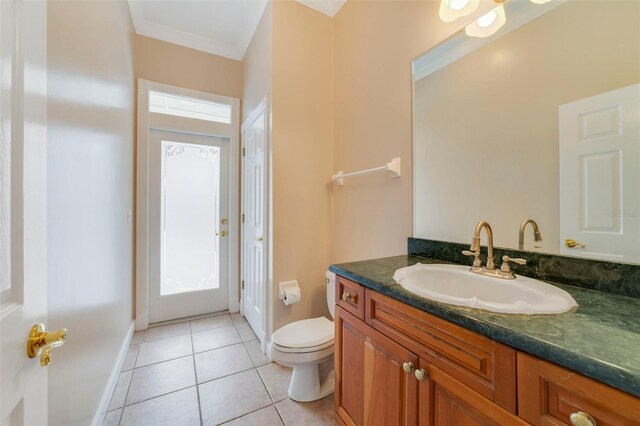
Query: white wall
pixel 90 173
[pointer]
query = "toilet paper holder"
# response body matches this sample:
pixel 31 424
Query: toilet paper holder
pixel 286 285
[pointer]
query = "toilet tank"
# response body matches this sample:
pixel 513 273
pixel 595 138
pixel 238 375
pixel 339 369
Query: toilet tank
pixel 330 278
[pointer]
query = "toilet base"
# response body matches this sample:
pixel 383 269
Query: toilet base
pixel 312 381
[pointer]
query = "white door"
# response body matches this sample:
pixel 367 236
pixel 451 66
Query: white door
pixel 254 220
pixel 188 225
pixel 23 208
pixel 600 175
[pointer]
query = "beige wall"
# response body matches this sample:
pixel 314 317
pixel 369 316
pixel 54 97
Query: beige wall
pixel 90 189
pixel 302 156
pixel 257 65
pixel 489 122
pixel 169 63
pixel 374 45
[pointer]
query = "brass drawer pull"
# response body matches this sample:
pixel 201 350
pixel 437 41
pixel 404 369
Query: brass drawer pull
pixel 580 418
pixel 408 367
pixel 348 297
pixel 421 375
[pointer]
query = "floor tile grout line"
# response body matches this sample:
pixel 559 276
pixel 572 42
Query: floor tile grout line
pixel 265 386
pixel 254 363
pixel 195 373
pixel 166 360
pixel 227 375
pixel 133 370
pixel 159 396
pixel 278 413
pixel 246 414
pixel 184 334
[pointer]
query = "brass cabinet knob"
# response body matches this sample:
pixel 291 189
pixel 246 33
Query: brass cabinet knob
pixel 580 418
pixel 421 375
pixel 348 297
pixel 222 233
pixel 408 367
pixel 259 238
pixel 224 221
pixel 41 341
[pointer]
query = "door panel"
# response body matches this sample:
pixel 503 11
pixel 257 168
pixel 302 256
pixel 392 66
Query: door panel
pixel 254 228
pixel 600 175
pixel 188 225
pixel 23 208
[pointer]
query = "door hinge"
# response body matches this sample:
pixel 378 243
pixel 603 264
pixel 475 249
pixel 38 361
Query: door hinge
pixel 242 217
pixel 243 152
pixel 243 284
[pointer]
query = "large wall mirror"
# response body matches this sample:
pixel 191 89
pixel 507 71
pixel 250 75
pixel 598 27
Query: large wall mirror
pixel 540 121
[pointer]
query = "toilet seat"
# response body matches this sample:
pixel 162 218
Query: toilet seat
pixel 310 335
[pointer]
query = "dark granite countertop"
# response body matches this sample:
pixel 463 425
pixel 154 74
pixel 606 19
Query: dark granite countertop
pixel 600 339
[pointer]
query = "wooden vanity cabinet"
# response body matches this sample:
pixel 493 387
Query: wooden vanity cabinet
pixel 464 378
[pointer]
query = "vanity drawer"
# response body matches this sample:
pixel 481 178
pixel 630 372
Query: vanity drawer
pixel 549 394
pixel 484 365
pixel 350 296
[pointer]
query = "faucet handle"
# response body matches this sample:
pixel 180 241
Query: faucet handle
pixel 517 260
pixel 477 263
pixel 505 262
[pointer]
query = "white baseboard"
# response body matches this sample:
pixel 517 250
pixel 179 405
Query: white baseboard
pixel 234 305
pixel 98 418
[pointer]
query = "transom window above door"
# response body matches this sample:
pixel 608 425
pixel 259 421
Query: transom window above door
pixel 183 106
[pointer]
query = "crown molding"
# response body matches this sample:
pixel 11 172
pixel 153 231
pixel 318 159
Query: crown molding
pixel 327 7
pixel 193 41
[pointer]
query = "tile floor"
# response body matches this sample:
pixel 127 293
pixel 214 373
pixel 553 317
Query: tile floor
pixel 207 371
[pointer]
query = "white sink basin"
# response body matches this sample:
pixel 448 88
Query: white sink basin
pixel 456 285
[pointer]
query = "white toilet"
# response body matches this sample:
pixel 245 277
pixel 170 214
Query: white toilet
pixel 307 346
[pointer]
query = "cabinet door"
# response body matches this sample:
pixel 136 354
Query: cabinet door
pixel 445 401
pixel 372 387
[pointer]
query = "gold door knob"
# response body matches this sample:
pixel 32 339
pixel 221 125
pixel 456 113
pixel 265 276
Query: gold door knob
pixel 408 367
pixel 421 375
pixel 222 233
pixel 573 243
pixel 43 341
pixel 580 418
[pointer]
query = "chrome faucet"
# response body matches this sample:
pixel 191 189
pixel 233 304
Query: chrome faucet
pixel 505 270
pixel 536 232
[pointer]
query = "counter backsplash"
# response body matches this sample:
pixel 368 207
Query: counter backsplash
pixel 612 277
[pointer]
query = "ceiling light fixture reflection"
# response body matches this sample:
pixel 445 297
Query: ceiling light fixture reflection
pixel 488 23
pixel 450 10
pixel 540 1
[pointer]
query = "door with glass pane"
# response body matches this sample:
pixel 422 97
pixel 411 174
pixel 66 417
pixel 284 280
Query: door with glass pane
pixel 188 234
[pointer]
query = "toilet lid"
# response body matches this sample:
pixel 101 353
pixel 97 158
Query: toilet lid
pixel 307 333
